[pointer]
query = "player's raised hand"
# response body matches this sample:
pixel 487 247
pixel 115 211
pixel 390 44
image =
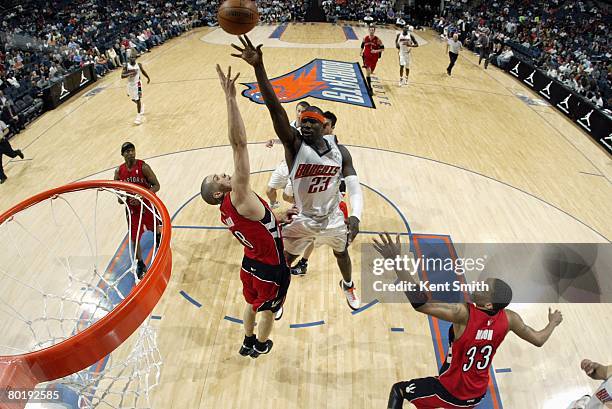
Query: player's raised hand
pixel 252 55
pixel 227 83
pixel 386 247
pixel 555 317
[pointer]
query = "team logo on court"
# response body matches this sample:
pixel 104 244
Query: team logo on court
pixel 337 81
pixel 585 121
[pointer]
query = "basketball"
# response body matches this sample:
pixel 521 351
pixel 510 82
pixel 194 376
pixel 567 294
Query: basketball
pixel 238 16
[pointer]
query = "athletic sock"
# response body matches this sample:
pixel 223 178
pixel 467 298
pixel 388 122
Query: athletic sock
pixel 249 341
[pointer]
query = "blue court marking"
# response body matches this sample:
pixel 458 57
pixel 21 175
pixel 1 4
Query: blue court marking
pixel 307 324
pixel 156 317
pixel 190 299
pixel 349 33
pixel 503 370
pixel 432 247
pixel 365 307
pixel 378 150
pixel 278 32
pixel 397 329
pixel 234 320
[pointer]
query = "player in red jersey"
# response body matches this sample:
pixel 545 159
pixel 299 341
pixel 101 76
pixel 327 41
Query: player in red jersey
pixel 477 331
pixel 371 48
pixel 264 274
pixel 138 172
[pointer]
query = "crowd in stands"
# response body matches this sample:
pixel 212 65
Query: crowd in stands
pixel 369 11
pixel 568 40
pixel 43 40
pixel 276 11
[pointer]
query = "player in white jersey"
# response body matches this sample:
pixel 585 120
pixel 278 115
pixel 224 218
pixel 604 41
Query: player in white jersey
pixel 132 71
pixel 602 397
pixel 404 42
pixel 316 163
pixel 280 177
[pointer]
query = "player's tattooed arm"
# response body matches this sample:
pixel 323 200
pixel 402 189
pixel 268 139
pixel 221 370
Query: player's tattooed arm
pixel 288 135
pixel 246 202
pixel 525 332
pixel 151 178
pixel 144 73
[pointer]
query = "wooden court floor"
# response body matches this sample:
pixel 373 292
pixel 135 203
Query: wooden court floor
pixel 458 156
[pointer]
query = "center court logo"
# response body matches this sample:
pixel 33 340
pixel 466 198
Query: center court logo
pixel 337 81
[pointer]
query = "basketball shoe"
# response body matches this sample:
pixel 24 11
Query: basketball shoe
pixel 351 298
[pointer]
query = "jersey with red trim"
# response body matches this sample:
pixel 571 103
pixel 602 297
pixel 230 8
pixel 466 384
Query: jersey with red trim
pixel 262 240
pixel 134 175
pixel 470 356
pixel 369 44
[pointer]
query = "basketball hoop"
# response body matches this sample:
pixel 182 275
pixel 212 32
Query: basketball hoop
pixel 112 316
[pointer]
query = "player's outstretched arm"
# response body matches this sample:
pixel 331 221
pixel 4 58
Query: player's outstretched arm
pixel 254 57
pixel 525 332
pixel 353 188
pixel 451 312
pixel 151 178
pixel 246 202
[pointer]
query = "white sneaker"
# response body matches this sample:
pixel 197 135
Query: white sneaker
pixel 351 297
pixel 405 81
pixel 138 119
pixel 401 82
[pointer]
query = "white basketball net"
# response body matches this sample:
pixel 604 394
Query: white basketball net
pixel 60 272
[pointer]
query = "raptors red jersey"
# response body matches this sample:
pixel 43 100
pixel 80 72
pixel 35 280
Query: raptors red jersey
pixel 262 239
pixel 369 44
pixel 470 356
pixel 134 175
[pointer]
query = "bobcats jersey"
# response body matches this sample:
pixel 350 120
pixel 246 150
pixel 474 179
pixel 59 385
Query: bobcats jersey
pixel 602 398
pixel 470 356
pixel 316 179
pixel 135 80
pixel 404 42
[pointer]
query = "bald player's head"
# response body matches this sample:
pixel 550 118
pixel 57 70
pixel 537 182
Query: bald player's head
pixel 214 187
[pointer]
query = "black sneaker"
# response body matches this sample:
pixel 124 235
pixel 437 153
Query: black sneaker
pixel 141 269
pixel 247 346
pixel 299 269
pixel 268 347
pixel 19 153
pixel 2 180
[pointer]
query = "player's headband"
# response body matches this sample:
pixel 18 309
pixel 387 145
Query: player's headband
pixel 312 115
pixel 126 146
